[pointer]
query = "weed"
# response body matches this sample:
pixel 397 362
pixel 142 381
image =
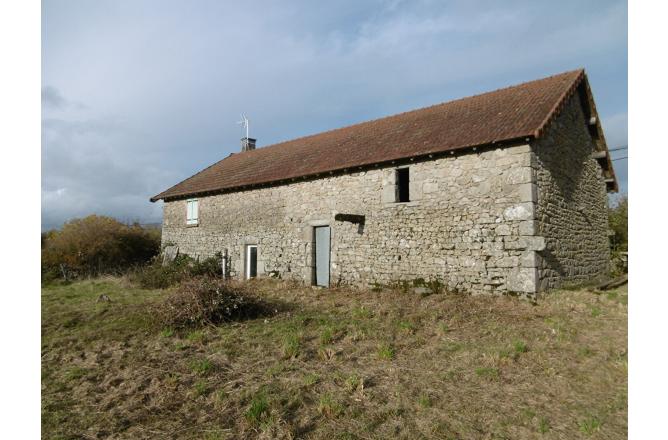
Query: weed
pixel 425 401
pixel 589 425
pixel 291 345
pixel 353 383
pixel 326 336
pixel 406 326
pixel 595 311
pixel 311 379
pixel 201 367
pixel 221 395
pixel 543 425
pixel 167 333
pixel 329 407
pixel 386 352
pixel 195 336
pixel 75 373
pixel 258 409
pixel 520 347
pixel 489 372
pixel 585 352
pixel 200 388
pixel 362 313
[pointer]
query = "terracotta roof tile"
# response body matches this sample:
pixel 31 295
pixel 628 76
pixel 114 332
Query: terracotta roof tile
pixel 507 114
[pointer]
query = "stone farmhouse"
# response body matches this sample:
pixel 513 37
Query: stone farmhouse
pixel 503 192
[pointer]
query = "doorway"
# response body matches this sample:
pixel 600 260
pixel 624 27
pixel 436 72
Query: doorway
pixel 322 242
pixel 251 261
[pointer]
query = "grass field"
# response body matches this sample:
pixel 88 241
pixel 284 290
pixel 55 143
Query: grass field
pixel 336 364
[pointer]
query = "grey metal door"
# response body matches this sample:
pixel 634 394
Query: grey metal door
pixel 322 256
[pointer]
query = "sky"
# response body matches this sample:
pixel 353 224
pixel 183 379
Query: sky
pixel 139 95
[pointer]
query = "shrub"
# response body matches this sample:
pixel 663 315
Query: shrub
pixel 95 245
pixel 206 300
pixel 159 276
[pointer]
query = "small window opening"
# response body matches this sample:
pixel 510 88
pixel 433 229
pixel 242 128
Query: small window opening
pixel 192 212
pixel 402 185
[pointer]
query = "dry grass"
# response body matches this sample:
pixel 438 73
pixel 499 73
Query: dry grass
pixel 336 364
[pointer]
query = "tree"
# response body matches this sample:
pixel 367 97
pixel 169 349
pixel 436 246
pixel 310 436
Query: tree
pixel 618 219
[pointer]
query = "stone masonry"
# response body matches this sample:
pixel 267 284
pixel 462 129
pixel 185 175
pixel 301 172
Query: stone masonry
pixel 470 223
pixel 571 212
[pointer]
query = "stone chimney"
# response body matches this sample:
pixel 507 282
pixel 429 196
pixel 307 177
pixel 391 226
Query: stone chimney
pixel 247 144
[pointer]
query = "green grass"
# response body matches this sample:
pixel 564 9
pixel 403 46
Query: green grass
pixel 386 352
pixel 425 401
pixel 543 425
pixel 291 345
pixel 201 367
pixel 329 407
pixel 327 336
pixel 200 388
pixel 520 347
pixel 589 425
pixel 311 379
pixel 487 372
pixel 258 410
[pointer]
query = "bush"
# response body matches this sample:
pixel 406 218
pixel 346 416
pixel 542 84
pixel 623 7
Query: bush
pixel 618 218
pixel 206 300
pixel 159 276
pixel 96 245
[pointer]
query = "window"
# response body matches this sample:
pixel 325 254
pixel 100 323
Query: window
pixel 402 179
pixel 192 208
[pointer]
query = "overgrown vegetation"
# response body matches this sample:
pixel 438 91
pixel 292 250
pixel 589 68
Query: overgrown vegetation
pixel 206 300
pixel 96 245
pixel 618 220
pixel 159 275
pixel 334 364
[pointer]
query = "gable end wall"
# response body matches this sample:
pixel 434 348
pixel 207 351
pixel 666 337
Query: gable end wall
pixel 571 209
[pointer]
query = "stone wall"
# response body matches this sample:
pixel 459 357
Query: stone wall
pixel 571 210
pixel 469 223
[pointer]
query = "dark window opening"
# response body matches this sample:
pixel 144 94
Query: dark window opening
pixel 251 262
pixel 402 185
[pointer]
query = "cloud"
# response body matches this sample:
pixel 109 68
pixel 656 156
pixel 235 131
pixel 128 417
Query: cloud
pixel 139 95
pixel 51 98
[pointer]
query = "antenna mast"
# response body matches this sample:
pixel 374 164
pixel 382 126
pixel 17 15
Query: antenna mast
pixel 244 123
pixel 247 143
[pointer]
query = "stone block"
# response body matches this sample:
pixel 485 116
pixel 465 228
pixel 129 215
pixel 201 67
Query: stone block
pixel 521 211
pixel 529 259
pixel 518 175
pixel 523 280
pixel 503 229
pixel 527 227
pixel 527 192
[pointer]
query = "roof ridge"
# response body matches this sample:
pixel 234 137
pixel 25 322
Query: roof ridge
pixel 369 121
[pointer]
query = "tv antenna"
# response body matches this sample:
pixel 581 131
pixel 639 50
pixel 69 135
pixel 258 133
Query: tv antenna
pixel 244 123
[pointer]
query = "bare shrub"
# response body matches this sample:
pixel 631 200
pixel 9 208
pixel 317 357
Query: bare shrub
pixel 206 300
pixel 96 245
